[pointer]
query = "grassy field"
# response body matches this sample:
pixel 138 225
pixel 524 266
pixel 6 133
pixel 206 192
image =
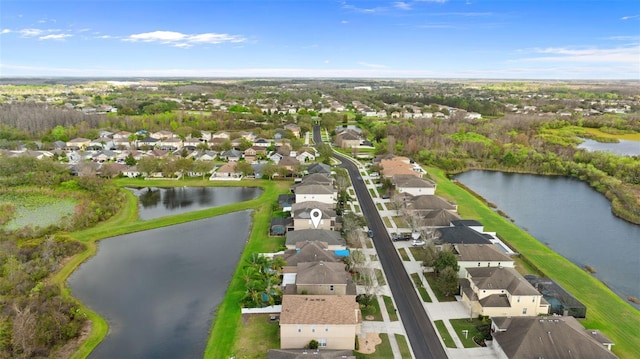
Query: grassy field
pixel 257 334
pixel 126 221
pixel 383 350
pixel 431 279
pixel 373 311
pixel 444 334
pixel 404 346
pixel 626 136
pixel 421 289
pixel 606 311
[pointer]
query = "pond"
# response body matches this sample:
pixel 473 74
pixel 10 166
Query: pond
pixel 622 148
pixel 159 202
pixel 572 219
pixel 159 289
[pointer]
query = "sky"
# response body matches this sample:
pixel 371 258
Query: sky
pixel 484 39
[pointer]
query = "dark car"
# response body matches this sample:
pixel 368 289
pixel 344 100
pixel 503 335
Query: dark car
pixel 370 234
pixel 401 236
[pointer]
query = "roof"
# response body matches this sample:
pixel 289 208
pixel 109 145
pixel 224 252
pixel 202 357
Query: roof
pixel 411 181
pixel 548 338
pixel 305 213
pixel 466 223
pixel 481 252
pixel 309 252
pixel 314 189
pixel 429 201
pixel 319 168
pixel 320 309
pixel 319 235
pixel 310 205
pixel 307 353
pixel 229 167
pixel 501 278
pixel 288 161
pixel 439 218
pixel 321 273
pixel 317 178
pixel 459 235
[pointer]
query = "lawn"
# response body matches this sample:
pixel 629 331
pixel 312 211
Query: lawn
pixel 380 277
pixel 400 222
pixel 403 254
pixel 418 253
pixel 379 205
pixel 465 324
pixel 617 319
pixel 391 309
pixel 387 222
pixel 256 335
pixel 372 311
pixel 444 334
pixel 421 289
pixel 373 192
pixel 356 207
pixel 431 279
pixel 404 346
pixel 383 350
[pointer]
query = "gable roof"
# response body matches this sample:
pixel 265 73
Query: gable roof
pixel 501 278
pixel 320 309
pixel 320 235
pixel 548 338
pixel 439 218
pixel 460 235
pixel 314 189
pixel 309 252
pixel 429 202
pixel 319 168
pixel 318 178
pixel 321 273
pixel 411 181
pixel 310 205
pixel 481 252
pixel 305 213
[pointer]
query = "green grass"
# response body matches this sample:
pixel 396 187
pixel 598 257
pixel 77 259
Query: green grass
pixel 400 222
pixel 403 254
pixel 373 192
pixel 444 334
pixel 431 279
pixel 256 335
pixel 418 253
pixel 387 222
pixel 356 207
pixel 405 352
pixel 374 257
pixel 383 350
pixel 380 277
pixel 466 324
pixel 391 309
pixel 421 289
pixel 379 205
pixel 617 319
pixel 352 193
pixel 373 310
pixel 127 221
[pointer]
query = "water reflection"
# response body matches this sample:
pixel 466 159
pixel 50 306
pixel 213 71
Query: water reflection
pixel 159 202
pixel 622 148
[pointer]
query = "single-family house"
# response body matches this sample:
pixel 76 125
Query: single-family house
pixel 319 168
pixel 426 203
pixel 462 235
pixel 413 185
pixel 227 171
pixel 398 165
pixel 162 135
pixel 122 135
pixel 500 291
pixel 286 201
pixel 275 157
pixel 332 320
pixel 307 252
pixel 316 192
pixel 438 218
pixel 79 143
pixel 224 135
pixel 231 155
pixel 206 156
pixel 131 172
pixel 302 216
pixel 147 142
pixel 295 129
pixel 347 139
pixel 288 162
pixel 480 255
pixel 317 178
pixel 306 155
pixel 547 337
pixel 261 142
pixel 322 278
pixel 333 239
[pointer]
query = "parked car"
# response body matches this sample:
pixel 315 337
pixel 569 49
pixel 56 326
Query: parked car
pixel 401 236
pixel 370 234
pixel 418 242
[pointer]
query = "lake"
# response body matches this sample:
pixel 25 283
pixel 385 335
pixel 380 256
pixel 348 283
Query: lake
pixel 159 202
pixel 572 219
pixel 622 148
pixel 159 289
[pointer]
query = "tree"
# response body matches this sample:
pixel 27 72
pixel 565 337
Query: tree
pixel 129 160
pixel 148 165
pixel 448 281
pixel 202 167
pixel 430 254
pixel 245 168
pixel 446 259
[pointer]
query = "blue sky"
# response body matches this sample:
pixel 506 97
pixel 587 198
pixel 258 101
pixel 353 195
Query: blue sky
pixel 506 39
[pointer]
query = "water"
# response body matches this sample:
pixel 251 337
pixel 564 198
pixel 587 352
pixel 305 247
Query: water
pixel 623 148
pixel 160 202
pixel 572 219
pixel 158 289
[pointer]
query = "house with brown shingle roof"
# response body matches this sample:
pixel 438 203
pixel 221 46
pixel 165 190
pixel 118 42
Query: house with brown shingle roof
pixel 332 320
pixel 302 217
pixel 500 291
pixel 413 185
pixel 548 338
pixel 323 278
pixel 307 252
pixel 480 255
pixel 398 165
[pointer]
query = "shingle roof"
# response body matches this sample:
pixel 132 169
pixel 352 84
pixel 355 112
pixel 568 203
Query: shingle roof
pixel 321 235
pixel 320 309
pixel 430 202
pixel 481 252
pixel 313 189
pixel 548 338
pixel 319 168
pixel 501 278
pixel 458 235
pixel 305 213
pixel 309 252
pixel 321 273
pixel 310 205
pixel 410 180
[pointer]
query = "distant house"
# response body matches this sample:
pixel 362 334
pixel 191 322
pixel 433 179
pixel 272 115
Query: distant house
pixel 548 338
pixel 500 291
pixel 348 139
pixel 413 185
pixel 306 155
pixel 162 135
pixel 79 143
pixel 295 129
pixel 227 171
pixel 332 320
pixel 319 168
pixel 232 155
pixel 396 165
pixel 288 162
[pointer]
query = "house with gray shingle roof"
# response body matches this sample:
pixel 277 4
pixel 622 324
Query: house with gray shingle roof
pixel 332 320
pixel 333 239
pixel 480 255
pixel 548 338
pixel 322 278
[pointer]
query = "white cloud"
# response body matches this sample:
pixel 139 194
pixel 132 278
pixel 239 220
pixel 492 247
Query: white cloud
pixel 371 10
pixel 402 5
pixel 629 17
pixel 5 31
pixel 436 1
pixel 31 32
pixel 55 37
pixel 370 65
pixel 629 55
pixel 179 39
pixel 344 22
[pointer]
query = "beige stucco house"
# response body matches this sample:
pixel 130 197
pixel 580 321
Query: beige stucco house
pixel 332 320
pixel 480 256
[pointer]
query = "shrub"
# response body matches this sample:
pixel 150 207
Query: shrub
pixel 313 344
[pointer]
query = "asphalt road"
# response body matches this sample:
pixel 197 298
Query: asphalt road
pixel 420 332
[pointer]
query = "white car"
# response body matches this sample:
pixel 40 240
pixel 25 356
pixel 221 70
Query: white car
pixel 418 242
